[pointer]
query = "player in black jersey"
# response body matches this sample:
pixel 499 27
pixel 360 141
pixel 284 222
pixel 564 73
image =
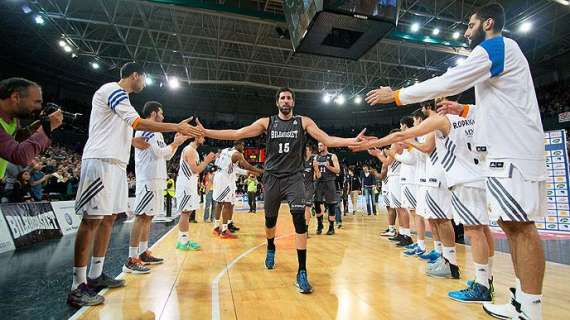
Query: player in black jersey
pixel 325 189
pixel 283 177
pixel 310 174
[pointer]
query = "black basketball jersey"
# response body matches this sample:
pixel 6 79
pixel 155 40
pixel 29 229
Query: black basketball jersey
pixel 285 146
pixel 309 173
pixel 326 174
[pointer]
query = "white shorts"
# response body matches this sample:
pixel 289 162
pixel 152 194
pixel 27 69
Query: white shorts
pixel 386 193
pixel 469 206
pixel 421 199
pixel 149 200
pixel 408 195
pixel 514 198
pixel 103 189
pixel 438 203
pixel 395 192
pixel 224 188
pixel 187 197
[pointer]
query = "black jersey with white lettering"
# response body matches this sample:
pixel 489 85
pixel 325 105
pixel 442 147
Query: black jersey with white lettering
pixel 326 174
pixel 309 171
pixel 285 146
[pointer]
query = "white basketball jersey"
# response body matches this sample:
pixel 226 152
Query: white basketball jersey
pixel 224 162
pixel 408 167
pixel 421 163
pixel 394 168
pixel 459 162
pixel 185 176
pixel 435 176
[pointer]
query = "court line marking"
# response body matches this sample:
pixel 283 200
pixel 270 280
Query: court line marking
pixel 82 310
pixel 216 281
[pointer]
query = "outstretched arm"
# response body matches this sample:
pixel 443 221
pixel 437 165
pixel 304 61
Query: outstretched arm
pixel 329 141
pixel 240 159
pixel 253 130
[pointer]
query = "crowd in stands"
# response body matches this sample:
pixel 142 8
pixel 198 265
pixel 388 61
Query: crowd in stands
pixel 554 98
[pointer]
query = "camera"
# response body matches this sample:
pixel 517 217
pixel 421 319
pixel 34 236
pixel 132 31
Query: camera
pixel 68 117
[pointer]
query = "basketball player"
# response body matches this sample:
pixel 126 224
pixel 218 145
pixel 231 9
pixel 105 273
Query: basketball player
pixel 187 197
pixel 230 163
pixel 283 178
pixel 438 200
pixel 150 170
pixel 407 185
pixel 103 189
pixel 310 175
pixel 513 163
pixel 391 231
pixel 325 189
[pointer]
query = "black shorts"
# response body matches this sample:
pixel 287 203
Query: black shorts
pixel 309 193
pixel 290 188
pixel 326 192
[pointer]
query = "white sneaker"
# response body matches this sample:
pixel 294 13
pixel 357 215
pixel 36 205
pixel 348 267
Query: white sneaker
pixel 504 311
pixel 388 233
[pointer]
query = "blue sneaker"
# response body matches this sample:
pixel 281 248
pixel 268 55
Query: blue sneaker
pixel 430 257
pixel 416 252
pixel 270 259
pixel 303 283
pixel 411 246
pixel 491 286
pixel 473 294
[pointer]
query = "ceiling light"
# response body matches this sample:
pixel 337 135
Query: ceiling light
pixel 148 81
pixel 435 31
pixel 173 83
pixel 456 35
pixel 39 19
pixel 357 99
pixel 95 65
pixel 62 43
pixel 415 27
pixel 340 99
pixel 327 98
pixel 525 27
pixel 67 49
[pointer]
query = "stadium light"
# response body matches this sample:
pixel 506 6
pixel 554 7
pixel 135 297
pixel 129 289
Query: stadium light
pixel 148 81
pixel 327 98
pixel 340 99
pixel 39 20
pixel 459 61
pixel 435 31
pixel 95 65
pixel 358 99
pixel 173 83
pixel 67 48
pixel 62 43
pixel 415 27
pixel 456 35
pixel 525 27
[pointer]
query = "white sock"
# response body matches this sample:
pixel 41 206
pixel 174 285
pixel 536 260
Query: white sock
pixel 449 254
pixel 518 290
pixel 183 237
pixel 438 247
pixel 422 244
pixel 230 221
pixel 96 267
pixel 482 274
pixel 491 267
pixel 79 276
pixel 216 223
pixel 405 231
pixel 143 246
pixel 224 227
pixel 392 228
pixel 133 252
pixel 531 305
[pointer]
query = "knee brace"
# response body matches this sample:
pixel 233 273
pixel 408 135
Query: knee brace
pixel 299 221
pixel 270 222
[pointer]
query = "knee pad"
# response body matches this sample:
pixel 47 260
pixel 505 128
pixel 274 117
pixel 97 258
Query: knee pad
pixel 299 221
pixel 332 209
pixel 270 222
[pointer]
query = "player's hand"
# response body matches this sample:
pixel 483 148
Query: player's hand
pixel 364 145
pixel 374 152
pixel 140 143
pixel 449 107
pixel 180 139
pixel 210 157
pixel 382 95
pixel 188 130
pixel 55 119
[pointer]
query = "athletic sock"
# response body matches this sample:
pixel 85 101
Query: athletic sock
pixel 230 221
pixel 302 257
pixel 216 223
pixel 422 244
pixel 96 267
pixel 271 244
pixel 405 232
pixel 518 289
pixel 392 228
pixel 143 246
pixel 438 247
pixel 449 254
pixel 531 305
pixel 133 252
pixel 482 274
pixel 79 277
pixel 183 237
pixel 491 267
pixel 224 227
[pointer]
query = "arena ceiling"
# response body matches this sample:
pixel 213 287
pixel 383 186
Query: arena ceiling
pixel 218 46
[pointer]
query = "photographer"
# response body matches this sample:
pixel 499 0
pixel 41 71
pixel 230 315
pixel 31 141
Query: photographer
pixel 21 98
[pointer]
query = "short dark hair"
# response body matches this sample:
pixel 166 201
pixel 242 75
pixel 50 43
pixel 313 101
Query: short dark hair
pixel 11 85
pixel 284 90
pixel 239 142
pixel 493 11
pixel 408 121
pixel 150 107
pixel 428 105
pixel 419 114
pixel 131 67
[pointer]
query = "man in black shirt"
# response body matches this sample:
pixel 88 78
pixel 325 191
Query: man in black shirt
pixel 354 188
pixel 329 168
pixel 283 177
pixel 310 174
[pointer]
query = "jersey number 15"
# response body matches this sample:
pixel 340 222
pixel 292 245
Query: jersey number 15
pixel 284 147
